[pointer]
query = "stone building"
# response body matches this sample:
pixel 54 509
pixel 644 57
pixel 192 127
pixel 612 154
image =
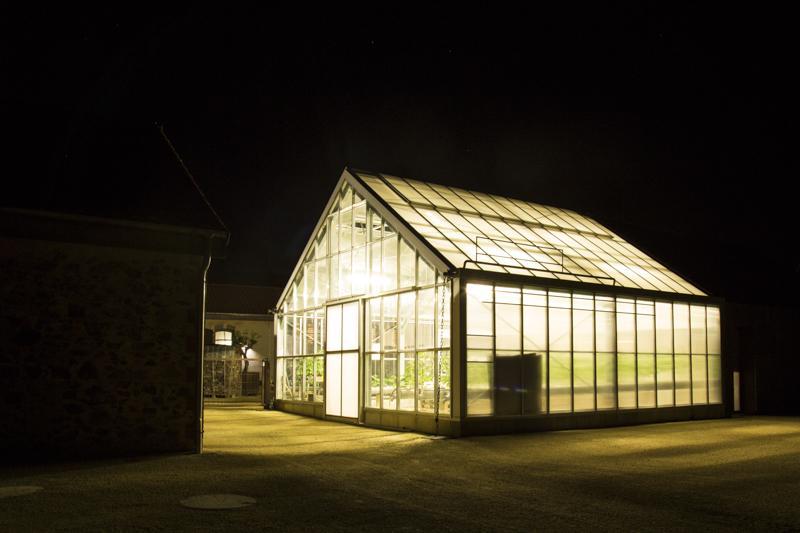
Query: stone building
pixel 102 328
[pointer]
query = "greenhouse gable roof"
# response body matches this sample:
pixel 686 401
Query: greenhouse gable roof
pixel 455 229
pixel 486 232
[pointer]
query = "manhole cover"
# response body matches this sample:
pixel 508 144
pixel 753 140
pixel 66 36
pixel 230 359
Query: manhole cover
pixel 19 490
pixel 218 501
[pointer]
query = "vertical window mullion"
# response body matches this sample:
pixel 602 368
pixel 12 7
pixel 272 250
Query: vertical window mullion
pixel 636 348
pixel 691 357
pixel 572 350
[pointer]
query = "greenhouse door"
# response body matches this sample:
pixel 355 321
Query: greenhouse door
pixel 341 360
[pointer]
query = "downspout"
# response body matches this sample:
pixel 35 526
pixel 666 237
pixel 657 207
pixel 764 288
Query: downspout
pixel 201 351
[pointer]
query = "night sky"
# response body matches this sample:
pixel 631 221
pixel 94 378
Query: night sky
pixel 672 125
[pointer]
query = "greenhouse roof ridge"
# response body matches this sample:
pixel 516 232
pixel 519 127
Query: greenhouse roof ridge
pixel 457 230
pixel 488 232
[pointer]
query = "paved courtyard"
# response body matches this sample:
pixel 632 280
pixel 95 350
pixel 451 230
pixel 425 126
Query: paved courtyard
pixel 305 474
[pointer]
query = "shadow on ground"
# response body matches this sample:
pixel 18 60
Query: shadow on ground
pixel 308 474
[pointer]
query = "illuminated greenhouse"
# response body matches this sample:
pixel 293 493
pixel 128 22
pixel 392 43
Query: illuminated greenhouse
pixel 435 309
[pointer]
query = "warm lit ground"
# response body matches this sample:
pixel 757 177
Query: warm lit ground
pixel 734 474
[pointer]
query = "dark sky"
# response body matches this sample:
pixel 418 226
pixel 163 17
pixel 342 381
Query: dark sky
pixel 671 124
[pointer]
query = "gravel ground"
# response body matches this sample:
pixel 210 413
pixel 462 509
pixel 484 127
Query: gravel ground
pixel 306 474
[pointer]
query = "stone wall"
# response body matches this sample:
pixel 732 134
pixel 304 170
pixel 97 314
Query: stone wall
pixel 99 350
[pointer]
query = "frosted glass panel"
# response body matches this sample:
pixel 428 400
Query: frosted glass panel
pixel 560 335
pixel 714 379
pixel 606 381
pixel 534 322
pixel 333 387
pixel 605 332
pixel 698 322
pixel 626 380
pixel 683 380
pixel 560 382
pixel 626 332
pixel 583 330
pixel 646 365
pixel 479 388
pixel 349 326
pixel 350 384
pixel 663 327
pixel 479 309
pixel 645 335
pixel 334 328
pixel 699 385
pixel 583 369
pixel 664 378
pixel 681 319
pixel 712 319
pixel 508 327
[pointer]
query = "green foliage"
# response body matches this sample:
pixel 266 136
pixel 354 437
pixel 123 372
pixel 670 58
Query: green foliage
pixel 245 340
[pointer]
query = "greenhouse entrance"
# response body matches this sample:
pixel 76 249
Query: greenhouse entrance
pixel 341 360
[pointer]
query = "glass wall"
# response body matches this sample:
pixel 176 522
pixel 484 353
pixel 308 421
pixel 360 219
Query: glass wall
pixel 534 350
pixel 358 254
pixel 407 351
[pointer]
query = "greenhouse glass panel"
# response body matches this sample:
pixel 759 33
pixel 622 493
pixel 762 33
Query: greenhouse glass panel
pixel 698 326
pixel 663 327
pixel 683 380
pixel 626 380
pixel 699 380
pixel 334 328
pixel 560 382
pixel 407 321
pixel 714 379
pixel 374 380
pixel 349 326
pixel 389 382
pixel 426 300
pixel 534 320
pixel 646 366
pixel 508 317
pixel 360 225
pixel 665 380
pixel 319 377
pixel 559 325
pixel 426 374
pixel 389 321
pixel 389 255
pixel 583 381
pixel 606 381
pixel 406 371
pixel 425 273
pixel 407 265
pixel 680 315
pixel 712 321
pixel 479 388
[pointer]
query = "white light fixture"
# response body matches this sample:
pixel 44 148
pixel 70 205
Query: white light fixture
pixel 223 338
